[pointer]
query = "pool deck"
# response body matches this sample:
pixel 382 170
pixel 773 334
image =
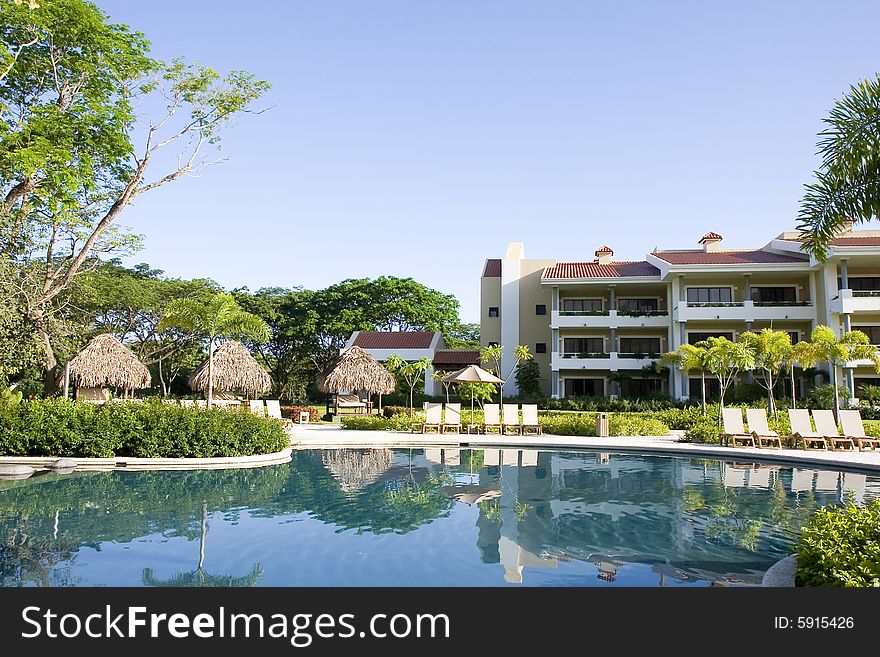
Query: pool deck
pixel 328 436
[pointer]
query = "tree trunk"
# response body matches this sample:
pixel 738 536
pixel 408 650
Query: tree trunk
pixel 771 402
pixel 793 391
pixel 836 396
pixel 703 389
pixel 210 372
pixel 50 364
pixel 161 379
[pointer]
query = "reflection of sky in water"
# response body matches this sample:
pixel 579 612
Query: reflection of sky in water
pixel 417 517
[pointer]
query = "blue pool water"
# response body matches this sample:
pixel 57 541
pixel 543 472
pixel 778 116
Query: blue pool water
pixel 417 517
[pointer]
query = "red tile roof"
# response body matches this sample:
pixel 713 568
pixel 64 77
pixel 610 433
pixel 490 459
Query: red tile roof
pixel 394 339
pixel 493 268
pixel 856 241
pixel 621 269
pixel 693 257
pixel 461 357
pixel 710 236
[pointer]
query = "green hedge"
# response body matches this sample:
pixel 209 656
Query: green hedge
pixel 58 427
pixel 841 547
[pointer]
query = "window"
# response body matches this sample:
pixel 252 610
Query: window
pixel 583 345
pixel 695 337
pixel 774 294
pixel 795 336
pixel 865 283
pixel 493 344
pixel 709 295
pixel 713 389
pixel 637 305
pixel 581 305
pixel 541 309
pixel 641 346
pixel 640 388
pixel 493 311
pixel 541 348
pixel 873 333
pixel 584 387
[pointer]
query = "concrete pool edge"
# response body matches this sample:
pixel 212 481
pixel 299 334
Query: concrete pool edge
pixel 336 438
pixel 146 464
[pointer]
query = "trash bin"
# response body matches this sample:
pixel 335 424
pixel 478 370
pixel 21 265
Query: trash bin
pixel 601 424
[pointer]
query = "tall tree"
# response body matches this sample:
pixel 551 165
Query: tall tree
pixel 847 185
pixel 826 347
pixel 493 355
pixel 688 358
pixel 218 317
pixel 726 359
pixel 69 164
pixel 410 371
pixel 772 350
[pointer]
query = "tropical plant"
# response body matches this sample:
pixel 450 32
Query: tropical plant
pixel 218 316
pixel 802 355
pixel 828 348
pixel 726 359
pixel 688 358
pixel 870 394
pixel 847 185
pixel 528 377
pixel 410 371
pixel 492 355
pixel 772 350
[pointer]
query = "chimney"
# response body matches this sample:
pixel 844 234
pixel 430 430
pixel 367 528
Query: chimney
pixel 711 242
pixel 846 226
pixel 603 255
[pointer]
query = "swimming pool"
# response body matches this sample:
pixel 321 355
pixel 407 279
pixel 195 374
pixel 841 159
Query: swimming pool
pixel 420 517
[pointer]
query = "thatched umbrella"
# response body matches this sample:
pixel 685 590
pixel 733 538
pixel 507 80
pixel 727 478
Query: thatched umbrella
pixel 354 469
pixel 107 363
pixel 234 369
pixel 356 370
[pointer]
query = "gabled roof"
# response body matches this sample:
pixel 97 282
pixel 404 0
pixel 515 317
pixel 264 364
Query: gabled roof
pixel 493 268
pixel 461 357
pixel 710 236
pixel 394 339
pixel 755 257
pixel 620 269
pixel 604 249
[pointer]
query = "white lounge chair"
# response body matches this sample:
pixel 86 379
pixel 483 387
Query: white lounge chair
pixel 757 419
pixel 257 407
pixel 734 431
pixel 851 421
pixel 452 421
pixel 492 419
pixel 530 423
pixel 273 409
pixel 827 427
pixel 802 430
pixel 433 419
pixel 510 419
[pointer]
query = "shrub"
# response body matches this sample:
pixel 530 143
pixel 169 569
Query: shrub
pixel 680 418
pixel 292 412
pixel 704 430
pixel 841 547
pixel 59 427
pixel 390 411
pixel 823 396
pixel 400 422
pixel 619 424
pixel 630 424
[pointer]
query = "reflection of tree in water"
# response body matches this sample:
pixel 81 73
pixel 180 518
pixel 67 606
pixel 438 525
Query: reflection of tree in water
pixel 28 559
pixel 354 469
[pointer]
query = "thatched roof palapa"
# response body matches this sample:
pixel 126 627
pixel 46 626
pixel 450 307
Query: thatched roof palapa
pixel 356 370
pixel 107 363
pixel 234 369
pixel 355 470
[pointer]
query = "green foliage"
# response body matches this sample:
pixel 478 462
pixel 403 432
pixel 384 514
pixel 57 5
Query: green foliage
pixel 869 395
pixel 704 430
pixel 528 378
pixel 466 336
pixel 10 397
pixel 841 547
pixel 400 422
pixel 726 359
pixel 847 185
pixel 772 351
pixel 584 424
pixel 58 427
pixel 607 404
pixel 292 412
pixel 824 396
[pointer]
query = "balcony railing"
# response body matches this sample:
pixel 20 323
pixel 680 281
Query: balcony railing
pixel 583 313
pixel 585 354
pixel 866 293
pixel 637 355
pixel 782 303
pixel 642 313
pixel 715 304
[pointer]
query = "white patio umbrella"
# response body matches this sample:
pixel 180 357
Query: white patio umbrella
pixel 472 374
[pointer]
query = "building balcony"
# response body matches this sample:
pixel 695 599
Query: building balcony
pixel 856 301
pixel 745 311
pixel 610 319
pixel 611 361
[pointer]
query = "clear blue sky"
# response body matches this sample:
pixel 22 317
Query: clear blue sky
pixel 418 138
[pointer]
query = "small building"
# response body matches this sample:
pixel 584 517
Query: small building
pixel 414 345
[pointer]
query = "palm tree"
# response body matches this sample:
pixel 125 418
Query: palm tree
pixel 802 353
pixel 847 185
pixel 828 348
pixel 772 350
pixel 689 358
pixel 219 316
pixel 726 359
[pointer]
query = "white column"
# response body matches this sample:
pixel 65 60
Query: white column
pixel 429 381
pixel 510 273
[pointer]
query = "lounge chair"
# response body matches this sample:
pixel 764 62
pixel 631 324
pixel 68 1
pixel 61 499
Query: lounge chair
pixel 349 401
pixel 273 410
pixel 452 421
pixel 826 425
pixel 530 420
pixel 433 413
pixel 802 430
pixel 734 431
pixel 492 419
pixel 510 419
pixel 757 419
pixel 855 430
